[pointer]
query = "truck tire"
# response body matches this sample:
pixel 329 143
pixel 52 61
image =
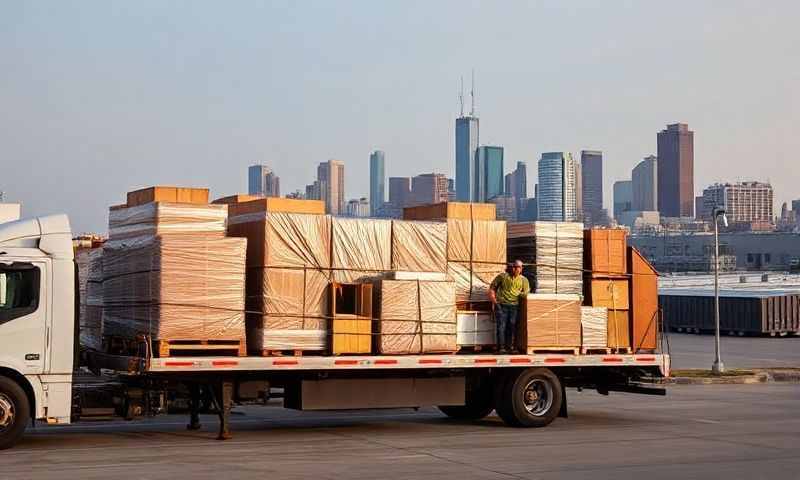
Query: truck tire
pixel 14 412
pixel 479 404
pixel 530 398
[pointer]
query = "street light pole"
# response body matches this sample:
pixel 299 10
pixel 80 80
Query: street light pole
pixel 717 368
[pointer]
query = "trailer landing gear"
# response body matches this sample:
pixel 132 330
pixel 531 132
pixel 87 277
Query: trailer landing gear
pixel 224 400
pixel 194 407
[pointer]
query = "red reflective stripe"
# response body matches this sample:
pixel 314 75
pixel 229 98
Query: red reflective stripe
pixel 520 360
pixel 612 359
pixel 645 359
pixel 224 363
pixel 345 362
pixel 385 362
pixel 555 360
pixel 178 364
pixel 285 362
pixel 485 360
pixel 429 360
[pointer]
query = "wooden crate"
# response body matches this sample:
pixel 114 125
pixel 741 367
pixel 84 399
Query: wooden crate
pixel 197 196
pixel 644 302
pixel 611 293
pixel 619 329
pixel 549 322
pixel 451 210
pixel 604 251
pixel 277 205
pixel 196 348
pixel 351 323
pixel 239 198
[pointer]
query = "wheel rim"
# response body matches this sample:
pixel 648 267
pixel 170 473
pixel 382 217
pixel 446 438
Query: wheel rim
pixel 537 397
pixel 6 412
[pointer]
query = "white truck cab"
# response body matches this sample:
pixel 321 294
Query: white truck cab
pixel 37 322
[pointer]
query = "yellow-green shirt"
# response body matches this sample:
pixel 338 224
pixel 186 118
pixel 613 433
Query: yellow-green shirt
pixel 508 289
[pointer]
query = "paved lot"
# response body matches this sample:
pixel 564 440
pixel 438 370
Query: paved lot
pixel 721 432
pixel 697 351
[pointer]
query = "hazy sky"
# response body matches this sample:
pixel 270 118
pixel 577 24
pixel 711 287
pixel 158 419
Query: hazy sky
pixel 101 97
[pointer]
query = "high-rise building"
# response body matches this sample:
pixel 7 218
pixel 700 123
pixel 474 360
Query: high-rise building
pixel 700 208
pixel 377 181
pixel 489 179
pixel 505 207
pixel 623 198
pixel 428 188
pixel 744 202
pixel 358 207
pixel 330 176
pixel 467 138
pixel 556 189
pixel 399 191
pixel 261 180
pixel 591 186
pixel 645 184
pixel 676 171
pixel 313 191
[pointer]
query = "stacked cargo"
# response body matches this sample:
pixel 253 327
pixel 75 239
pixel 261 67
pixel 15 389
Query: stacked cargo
pixel 170 274
pixel 90 291
pixel 606 281
pixel 594 329
pixel 643 301
pixel 476 329
pixel 552 252
pixel 550 322
pixel 288 272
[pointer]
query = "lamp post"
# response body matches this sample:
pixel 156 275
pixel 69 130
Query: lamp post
pixel 717 368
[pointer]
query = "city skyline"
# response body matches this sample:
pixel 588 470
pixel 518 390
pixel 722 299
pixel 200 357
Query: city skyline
pixel 107 99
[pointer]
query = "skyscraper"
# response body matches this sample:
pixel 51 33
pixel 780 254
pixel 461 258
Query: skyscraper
pixel 676 171
pixel 623 197
pixel 488 178
pixel 556 189
pixel 744 202
pixel 428 188
pixel 592 186
pixel 399 192
pixel 467 137
pixel 377 181
pixel 645 185
pixel 330 176
pixel 261 180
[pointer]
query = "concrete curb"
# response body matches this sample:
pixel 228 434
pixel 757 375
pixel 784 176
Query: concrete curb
pixel 759 376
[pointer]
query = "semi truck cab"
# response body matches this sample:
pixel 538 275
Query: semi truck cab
pixel 37 323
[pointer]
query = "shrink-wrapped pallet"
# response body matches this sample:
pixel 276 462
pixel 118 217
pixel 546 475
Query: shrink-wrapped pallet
pixel 288 272
pixel 476 253
pixel 594 327
pixel 90 286
pixel 361 249
pixel 175 287
pixel 162 218
pixel 476 329
pixel 551 321
pixel 415 317
pixel 554 252
pixel 419 246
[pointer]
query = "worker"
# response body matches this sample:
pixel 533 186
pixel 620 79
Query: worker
pixel 505 293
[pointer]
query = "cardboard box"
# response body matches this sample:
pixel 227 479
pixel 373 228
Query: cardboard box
pixel 451 210
pixel 608 292
pixel 197 196
pixel 605 251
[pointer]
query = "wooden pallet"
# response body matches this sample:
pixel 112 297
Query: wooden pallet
pixel 622 350
pixel 290 353
pixel 546 350
pixel 596 350
pixel 211 347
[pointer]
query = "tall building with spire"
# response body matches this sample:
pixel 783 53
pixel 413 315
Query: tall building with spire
pixel 467 141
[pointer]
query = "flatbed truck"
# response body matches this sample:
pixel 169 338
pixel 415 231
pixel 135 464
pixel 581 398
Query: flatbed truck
pixel 40 364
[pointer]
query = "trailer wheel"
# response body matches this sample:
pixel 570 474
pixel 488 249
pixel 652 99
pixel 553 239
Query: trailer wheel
pixel 14 412
pixel 479 404
pixel 530 398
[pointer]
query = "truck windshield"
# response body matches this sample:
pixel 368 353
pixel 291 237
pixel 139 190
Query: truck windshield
pixel 19 290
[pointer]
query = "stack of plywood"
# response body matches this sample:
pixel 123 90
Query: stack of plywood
pixel 594 328
pixel 90 284
pixel 552 252
pixel 288 272
pixel 476 244
pixel 551 322
pixel 643 301
pixel 414 317
pixel 170 274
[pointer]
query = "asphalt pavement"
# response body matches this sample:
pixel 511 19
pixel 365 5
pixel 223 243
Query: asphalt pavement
pixel 690 350
pixel 720 431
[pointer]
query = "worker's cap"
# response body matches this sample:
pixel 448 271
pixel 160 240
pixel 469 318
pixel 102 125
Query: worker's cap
pixel 516 263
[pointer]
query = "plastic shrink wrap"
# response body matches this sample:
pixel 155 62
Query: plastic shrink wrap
pixel 554 251
pixel 476 329
pixel 594 327
pixel 476 253
pixel 90 285
pixel 552 321
pixel 160 218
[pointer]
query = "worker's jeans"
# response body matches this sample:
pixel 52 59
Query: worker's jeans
pixel 505 317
